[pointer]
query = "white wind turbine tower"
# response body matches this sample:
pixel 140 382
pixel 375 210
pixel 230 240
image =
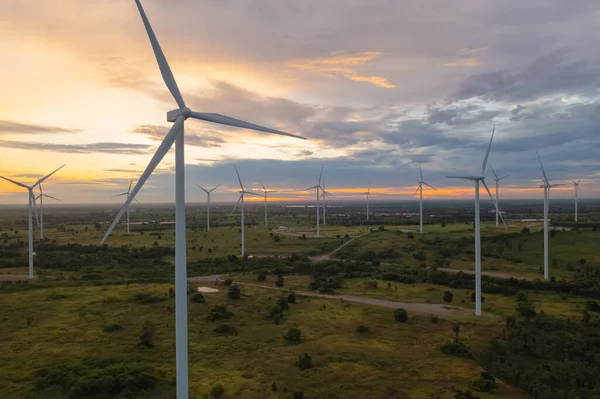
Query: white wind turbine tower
pixel 325 195
pixel 420 191
pixel 41 197
pixel 368 194
pixel 241 202
pixel 497 179
pixel 127 195
pixel 176 135
pixel 208 203
pixel 31 206
pixel 318 187
pixel 576 187
pixel 265 192
pixel 477 180
pixel 546 186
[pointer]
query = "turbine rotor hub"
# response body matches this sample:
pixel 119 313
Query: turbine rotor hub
pixel 175 113
pixel 185 112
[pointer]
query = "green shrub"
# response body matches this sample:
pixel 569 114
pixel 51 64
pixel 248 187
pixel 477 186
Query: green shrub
pixel 371 284
pixel 56 296
pixel 197 297
pixel 225 329
pixel 526 309
pixel 401 315
pixel 147 335
pixel 217 391
pixel 456 348
pixel 219 313
pixel 282 302
pixel 485 382
pixel 234 292
pixel 147 297
pixel 279 281
pixel 291 298
pixel 262 276
pixel 112 328
pixel 522 297
pixel 448 296
pixel 304 362
pixel 293 335
pixel 227 281
pixel 362 329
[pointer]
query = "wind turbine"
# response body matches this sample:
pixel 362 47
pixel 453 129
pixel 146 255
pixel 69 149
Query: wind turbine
pixel 241 202
pixel 318 187
pixel 477 180
pixel 420 190
pixel 31 205
pixel 497 192
pixel 576 187
pixel 546 186
pixel 127 194
pixel 266 192
pixel 208 204
pixel 368 194
pixel 176 135
pixel 325 195
pixel 41 198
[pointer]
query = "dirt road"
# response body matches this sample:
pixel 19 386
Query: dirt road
pixel 318 258
pixel 486 273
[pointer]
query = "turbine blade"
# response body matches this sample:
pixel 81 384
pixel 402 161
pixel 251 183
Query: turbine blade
pixel 226 120
pixel 40 181
pixel 487 154
pixel 252 193
pixel 310 188
pixel 494 172
pixel 14 182
pixel 203 189
pixel 163 65
pixel 236 204
pixel 34 207
pixel 543 170
pixel 238 176
pixel 417 190
pixel 369 189
pixel 320 176
pixel 420 171
pixel 494 201
pixel 40 186
pixel 430 186
pixel 135 199
pixel 464 177
pixel 263 186
pixel 130 183
pixel 504 177
pixel 158 156
pixel 118 195
pixel 214 188
pixel 49 196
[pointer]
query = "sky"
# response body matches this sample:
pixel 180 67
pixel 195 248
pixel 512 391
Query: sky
pixel 375 86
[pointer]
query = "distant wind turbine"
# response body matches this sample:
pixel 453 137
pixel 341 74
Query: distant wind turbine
pixel 31 206
pixel 497 192
pixel 420 191
pixel 176 135
pixel 479 179
pixel 325 195
pixel 208 203
pixel 241 202
pixel 318 187
pixel 576 187
pixel 368 195
pixel 127 194
pixel 41 197
pixel 546 186
pixel 265 192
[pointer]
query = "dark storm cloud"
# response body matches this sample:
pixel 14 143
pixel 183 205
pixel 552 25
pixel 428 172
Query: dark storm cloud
pixel 460 115
pixel 106 148
pixel 8 127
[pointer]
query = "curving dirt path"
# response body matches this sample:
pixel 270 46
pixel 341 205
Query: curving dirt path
pixel 486 273
pixel 327 256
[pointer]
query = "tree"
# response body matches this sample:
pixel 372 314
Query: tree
pixel 217 391
pixel 262 276
pixel 293 335
pixel 197 297
pixel 234 292
pixel 282 302
pixel 582 261
pixel 448 296
pixel 586 317
pixel 291 298
pixel 525 308
pixel 522 297
pixel 443 224
pixel 401 315
pixel 227 281
pixel 410 235
pixel 279 281
pixel 456 329
pixel 304 362
pixel 147 335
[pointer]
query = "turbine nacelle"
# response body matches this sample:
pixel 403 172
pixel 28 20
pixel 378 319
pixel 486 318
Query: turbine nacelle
pixel 173 114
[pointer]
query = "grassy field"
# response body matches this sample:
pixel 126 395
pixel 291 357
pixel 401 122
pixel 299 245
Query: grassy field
pixel 500 305
pixel 48 328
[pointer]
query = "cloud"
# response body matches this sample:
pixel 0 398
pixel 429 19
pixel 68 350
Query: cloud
pixel 11 127
pixel 157 133
pixel 343 64
pixel 551 74
pixel 106 148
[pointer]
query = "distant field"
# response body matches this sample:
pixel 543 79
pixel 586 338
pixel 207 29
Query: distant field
pixel 53 328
